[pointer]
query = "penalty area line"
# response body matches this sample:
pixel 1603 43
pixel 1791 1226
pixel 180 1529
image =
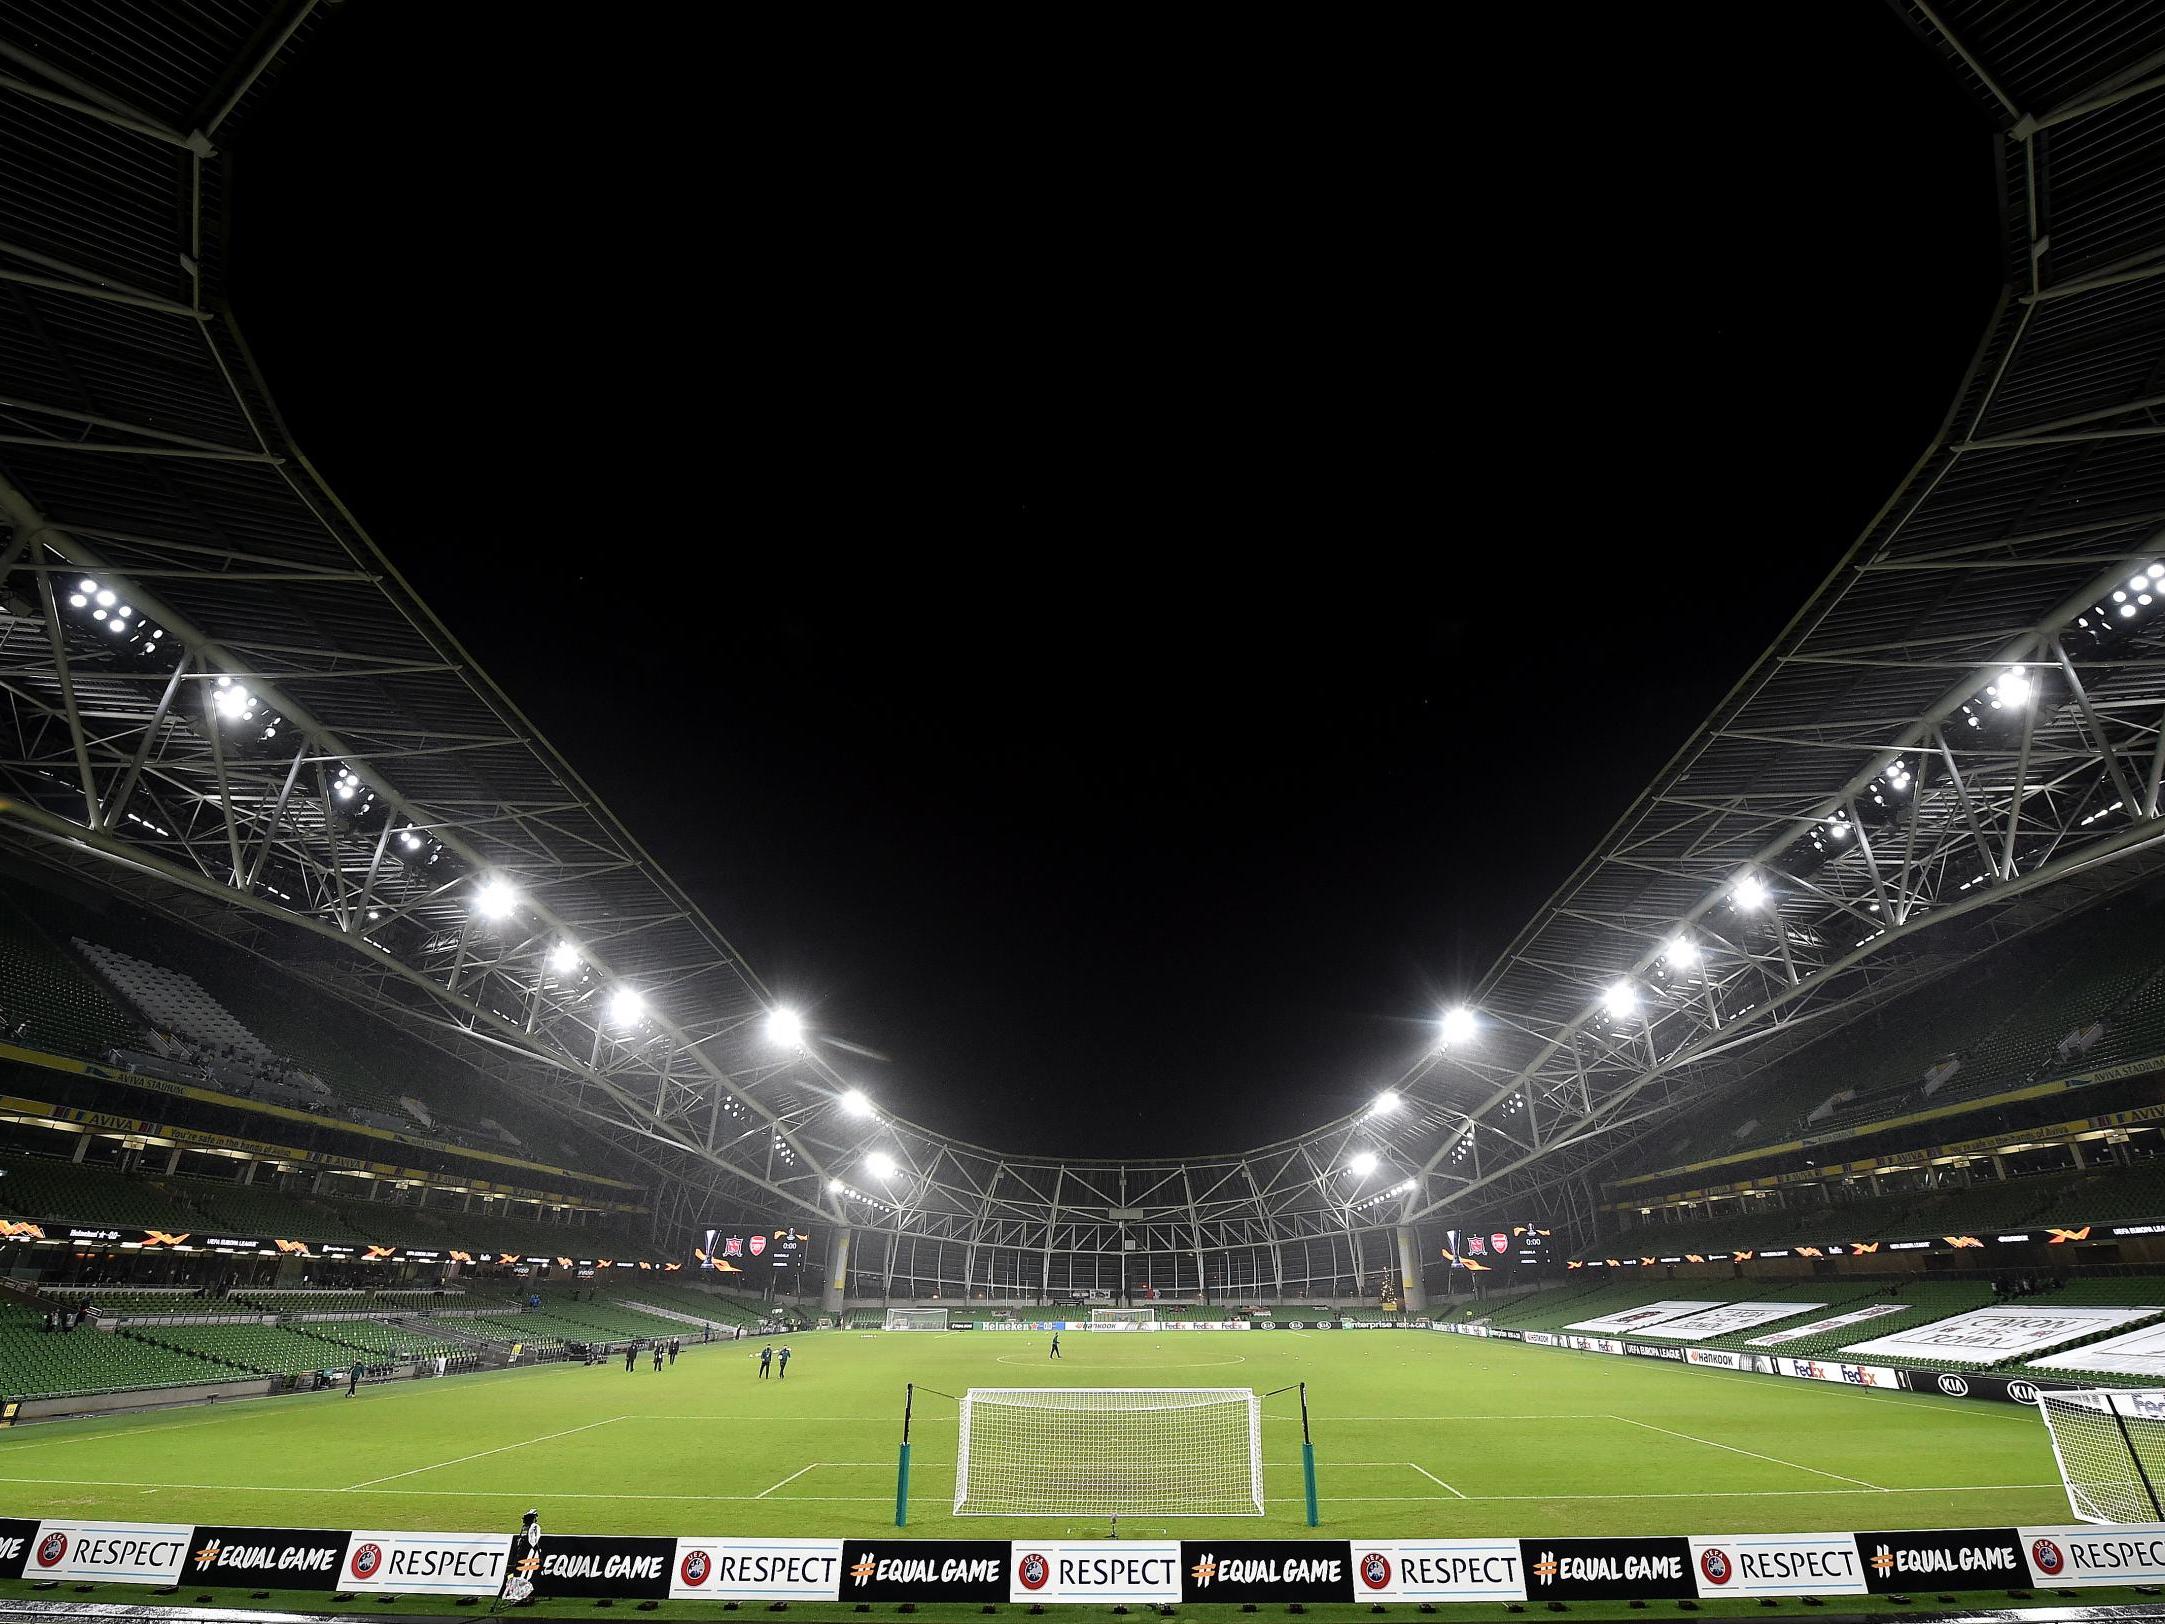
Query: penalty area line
pixel 1773 1460
pixel 478 1454
pixel 1432 1477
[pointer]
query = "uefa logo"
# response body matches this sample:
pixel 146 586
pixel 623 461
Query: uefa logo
pixel 1032 1571
pixel 52 1549
pixel 1714 1564
pixel 1954 1387
pixel 366 1560
pixel 1375 1570
pixel 2047 1557
pixel 695 1567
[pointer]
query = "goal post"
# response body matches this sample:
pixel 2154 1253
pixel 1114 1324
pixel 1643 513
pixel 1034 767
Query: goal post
pixel 1110 1452
pixel 916 1319
pixel 1121 1318
pixel 2110 1447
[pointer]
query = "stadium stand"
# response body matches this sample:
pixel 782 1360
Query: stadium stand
pixel 46 1000
pixel 42 1364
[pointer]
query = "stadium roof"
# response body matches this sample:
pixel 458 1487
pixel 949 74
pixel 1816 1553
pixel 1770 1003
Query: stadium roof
pixel 1960 734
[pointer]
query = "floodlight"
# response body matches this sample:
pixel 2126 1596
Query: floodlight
pixel 86 585
pixel 1620 1000
pixel 1682 951
pixel 1386 1103
pixel 410 840
pixel 785 1027
pixel 2156 572
pixel 563 957
pixel 496 899
pixel 2015 687
pixel 855 1103
pixel 1751 892
pixel 1361 1163
pixel 76 600
pixel 232 699
pixel 2127 611
pixel 2140 583
pixel 834 1186
pixel 107 598
pixel 626 1005
pixel 1458 1024
pixel 880 1165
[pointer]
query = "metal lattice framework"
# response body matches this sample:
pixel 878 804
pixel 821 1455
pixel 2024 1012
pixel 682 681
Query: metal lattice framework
pixel 1960 735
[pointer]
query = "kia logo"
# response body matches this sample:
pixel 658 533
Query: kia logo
pixel 1954 1387
pixel 2022 1392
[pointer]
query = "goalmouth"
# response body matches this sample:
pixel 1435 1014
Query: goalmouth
pixel 1110 1452
pixel 1122 1319
pixel 2110 1446
pixel 916 1319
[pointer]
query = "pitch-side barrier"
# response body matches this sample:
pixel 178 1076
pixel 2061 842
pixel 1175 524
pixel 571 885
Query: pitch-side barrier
pixel 721 1568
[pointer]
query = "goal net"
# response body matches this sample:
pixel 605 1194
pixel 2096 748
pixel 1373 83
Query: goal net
pixel 916 1319
pixel 1100 1318
pixel 1110 1451
pixel 2110 1444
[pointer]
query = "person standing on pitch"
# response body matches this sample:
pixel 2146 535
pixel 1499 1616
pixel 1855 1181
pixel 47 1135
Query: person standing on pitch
pixel 1055 1346
pixel 783 1374
pixel 657 1355
pixel 766 1361
pixel 672 1350
pixel 631 1355
pixel 353 1380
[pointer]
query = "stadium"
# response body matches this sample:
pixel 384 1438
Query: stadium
pixel 411 1200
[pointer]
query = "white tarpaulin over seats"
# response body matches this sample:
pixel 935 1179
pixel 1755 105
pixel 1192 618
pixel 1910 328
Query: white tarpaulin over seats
pixel 1984 1336
pixel 1638 1319
pixel 2138 1353
pixel 1729 1317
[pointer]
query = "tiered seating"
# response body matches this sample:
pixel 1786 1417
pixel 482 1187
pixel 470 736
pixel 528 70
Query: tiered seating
pixel 290 1303
pixel 1991 1204
pixel 35 1187
pixel 174 1003
pixel 684 1299
pixel 124 1304
pixel 42 1364
pixel 252 1209
pixel 1922 1301
pixel 270 1349
pixel 382 1341
pixel 2134 1030
pixel 62 1010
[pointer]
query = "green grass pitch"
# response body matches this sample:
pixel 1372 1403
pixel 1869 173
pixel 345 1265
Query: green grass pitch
pixel 1415 1434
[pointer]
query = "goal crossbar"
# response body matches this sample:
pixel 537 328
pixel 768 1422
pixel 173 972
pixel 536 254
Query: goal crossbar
pixel 1110 1452
pixel 916 1319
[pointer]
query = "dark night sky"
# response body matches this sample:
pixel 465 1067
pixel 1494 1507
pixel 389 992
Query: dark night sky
pixel 1121 569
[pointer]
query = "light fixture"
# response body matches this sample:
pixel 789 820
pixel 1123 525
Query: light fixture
pixel 626 1005
pixel 233 699
pixel 2015 687
pixel 785 1027
pixel 563 957
pixel 1458 1024
pixel 1750 892
pixel 855 1102
pixel 834 1186
pixel 408 839
pixel 1386 1103
pixel 496 898
pixel 1620 1000
pixel 880 1165
pixel 1361 1163
pixel 1682 952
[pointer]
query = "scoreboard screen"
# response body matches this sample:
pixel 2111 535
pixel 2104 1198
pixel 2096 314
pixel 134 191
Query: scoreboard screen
pixel 774 1252
pixel 1497 1247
